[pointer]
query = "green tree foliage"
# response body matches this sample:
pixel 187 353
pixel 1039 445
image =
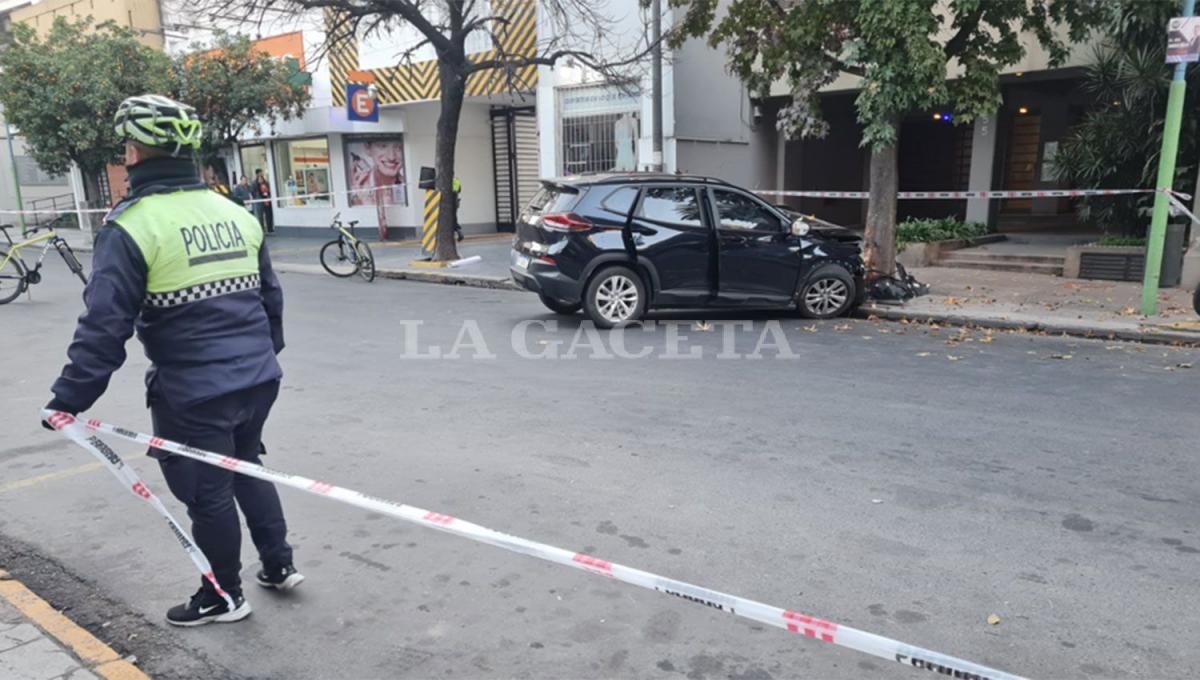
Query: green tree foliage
pixel 912 55
pixel 236 89
pixel 61 91
pixel 1118 142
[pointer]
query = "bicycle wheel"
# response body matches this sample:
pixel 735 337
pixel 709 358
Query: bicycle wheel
pixel 366 261
pixel 73 262
pixel 338 259
pixel 12 278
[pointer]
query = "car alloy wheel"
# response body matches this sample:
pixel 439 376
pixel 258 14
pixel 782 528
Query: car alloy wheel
pixel 617 298
pixel 826 296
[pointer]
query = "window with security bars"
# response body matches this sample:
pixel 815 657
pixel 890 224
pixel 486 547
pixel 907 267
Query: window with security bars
pixel 599 142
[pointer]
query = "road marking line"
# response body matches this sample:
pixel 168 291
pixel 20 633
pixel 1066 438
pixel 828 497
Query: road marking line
pixel 50 477
pixel 98 656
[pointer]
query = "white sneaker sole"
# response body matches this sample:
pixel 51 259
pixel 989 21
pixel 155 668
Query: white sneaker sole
pixel 288 583
pixel 228 617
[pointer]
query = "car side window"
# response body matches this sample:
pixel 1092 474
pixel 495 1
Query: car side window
pixel 619 201
pixel 738 212
pixel 671 205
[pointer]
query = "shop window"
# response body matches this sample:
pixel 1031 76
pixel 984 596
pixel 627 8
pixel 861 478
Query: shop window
pixel 375 171
pixel 304 173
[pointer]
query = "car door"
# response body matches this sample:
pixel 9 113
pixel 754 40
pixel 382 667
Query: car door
pixel 758 260
pixel 672 232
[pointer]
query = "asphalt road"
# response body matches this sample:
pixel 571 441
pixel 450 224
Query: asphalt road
pixel 883 476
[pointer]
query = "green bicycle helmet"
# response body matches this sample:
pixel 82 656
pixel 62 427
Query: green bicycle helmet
pixel 160 122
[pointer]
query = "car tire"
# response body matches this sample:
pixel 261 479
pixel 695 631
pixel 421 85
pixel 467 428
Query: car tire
pixel 560 306
pixel 614 296
pixel 1196 300
pixel 828 292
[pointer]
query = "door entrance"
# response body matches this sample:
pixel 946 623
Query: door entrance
pixel 1021 173
pixel 515 162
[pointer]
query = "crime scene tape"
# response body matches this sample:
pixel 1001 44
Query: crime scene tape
pixel 959 195
pixel 801 624
pixel 127 476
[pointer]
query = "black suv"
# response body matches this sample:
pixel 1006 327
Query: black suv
pixel 617 245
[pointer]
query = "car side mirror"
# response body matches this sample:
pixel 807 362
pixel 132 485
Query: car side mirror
pixel 800 228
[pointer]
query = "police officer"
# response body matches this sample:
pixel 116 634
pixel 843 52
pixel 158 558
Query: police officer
pixel 456 187
pixel 188 269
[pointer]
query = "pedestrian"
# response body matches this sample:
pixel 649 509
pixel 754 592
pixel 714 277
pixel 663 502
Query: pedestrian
pixel 241 193
pixel 262 192
pixel 190 272
pixel 456 187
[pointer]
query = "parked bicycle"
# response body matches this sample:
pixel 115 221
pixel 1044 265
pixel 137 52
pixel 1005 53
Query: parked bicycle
pixel 347 255
pixel 15 276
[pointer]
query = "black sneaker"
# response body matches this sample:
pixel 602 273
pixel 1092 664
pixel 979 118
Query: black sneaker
pixel 284 578
pixel 207 607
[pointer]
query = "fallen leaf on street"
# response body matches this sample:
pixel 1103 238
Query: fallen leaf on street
pixel 1064 357
pixel 1186 364
pixel 811 329
pixel 951 357
pixel 987 339
pixel 992 619
pixel 1127 311
pixel 922 354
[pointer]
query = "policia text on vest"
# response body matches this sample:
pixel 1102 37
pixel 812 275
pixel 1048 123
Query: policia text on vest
pixel 212 242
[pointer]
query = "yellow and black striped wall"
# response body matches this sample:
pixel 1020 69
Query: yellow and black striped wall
pixel 419 82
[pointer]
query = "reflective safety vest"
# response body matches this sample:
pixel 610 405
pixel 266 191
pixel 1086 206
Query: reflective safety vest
pixel 196 245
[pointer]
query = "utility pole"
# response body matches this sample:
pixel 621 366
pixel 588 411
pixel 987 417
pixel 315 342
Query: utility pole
pixel 1166 176
pixel 656 87
pixel 12 161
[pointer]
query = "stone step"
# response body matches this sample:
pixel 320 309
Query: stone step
pixel 977 255
pixel 1005 266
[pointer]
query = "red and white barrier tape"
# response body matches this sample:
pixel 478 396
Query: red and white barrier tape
pixel 959 195
pixel 801 624
pixel 67 424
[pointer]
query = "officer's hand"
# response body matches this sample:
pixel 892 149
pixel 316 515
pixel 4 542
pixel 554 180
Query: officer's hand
pixel 56 405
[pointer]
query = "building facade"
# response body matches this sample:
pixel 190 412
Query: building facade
pixel 325 164
pixel 1011 150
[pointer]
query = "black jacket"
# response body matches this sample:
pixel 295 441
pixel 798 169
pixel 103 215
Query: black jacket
pixel 199 350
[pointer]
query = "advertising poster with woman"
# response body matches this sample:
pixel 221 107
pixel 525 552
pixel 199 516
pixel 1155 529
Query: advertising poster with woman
pixel 376 169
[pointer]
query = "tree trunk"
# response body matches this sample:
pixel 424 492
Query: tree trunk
pixel 92 200
pixel 880 239
pixel 454 86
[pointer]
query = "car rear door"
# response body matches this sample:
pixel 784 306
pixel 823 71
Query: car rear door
pixel 670 229
pixel 758 261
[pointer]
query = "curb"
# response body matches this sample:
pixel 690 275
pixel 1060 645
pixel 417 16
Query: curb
pixel 1149 336
pixel 95 655
pixel 442 277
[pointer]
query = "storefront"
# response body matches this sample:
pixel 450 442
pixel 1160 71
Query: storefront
pixel 322 165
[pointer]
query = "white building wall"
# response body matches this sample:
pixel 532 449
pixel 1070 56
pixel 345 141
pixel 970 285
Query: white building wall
pixel 627 36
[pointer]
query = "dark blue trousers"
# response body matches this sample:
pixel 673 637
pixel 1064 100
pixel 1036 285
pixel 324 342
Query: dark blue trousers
pixel 232 425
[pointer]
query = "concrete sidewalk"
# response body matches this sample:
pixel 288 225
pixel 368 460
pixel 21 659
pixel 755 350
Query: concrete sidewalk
pixel 394 260
pixel 1038 302
pixel 39 643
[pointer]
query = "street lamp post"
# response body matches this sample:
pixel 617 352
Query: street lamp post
pixel 1166 177
pixel 656 84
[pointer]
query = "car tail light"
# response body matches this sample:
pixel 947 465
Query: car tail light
pixel 565 222
pixel 547 260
